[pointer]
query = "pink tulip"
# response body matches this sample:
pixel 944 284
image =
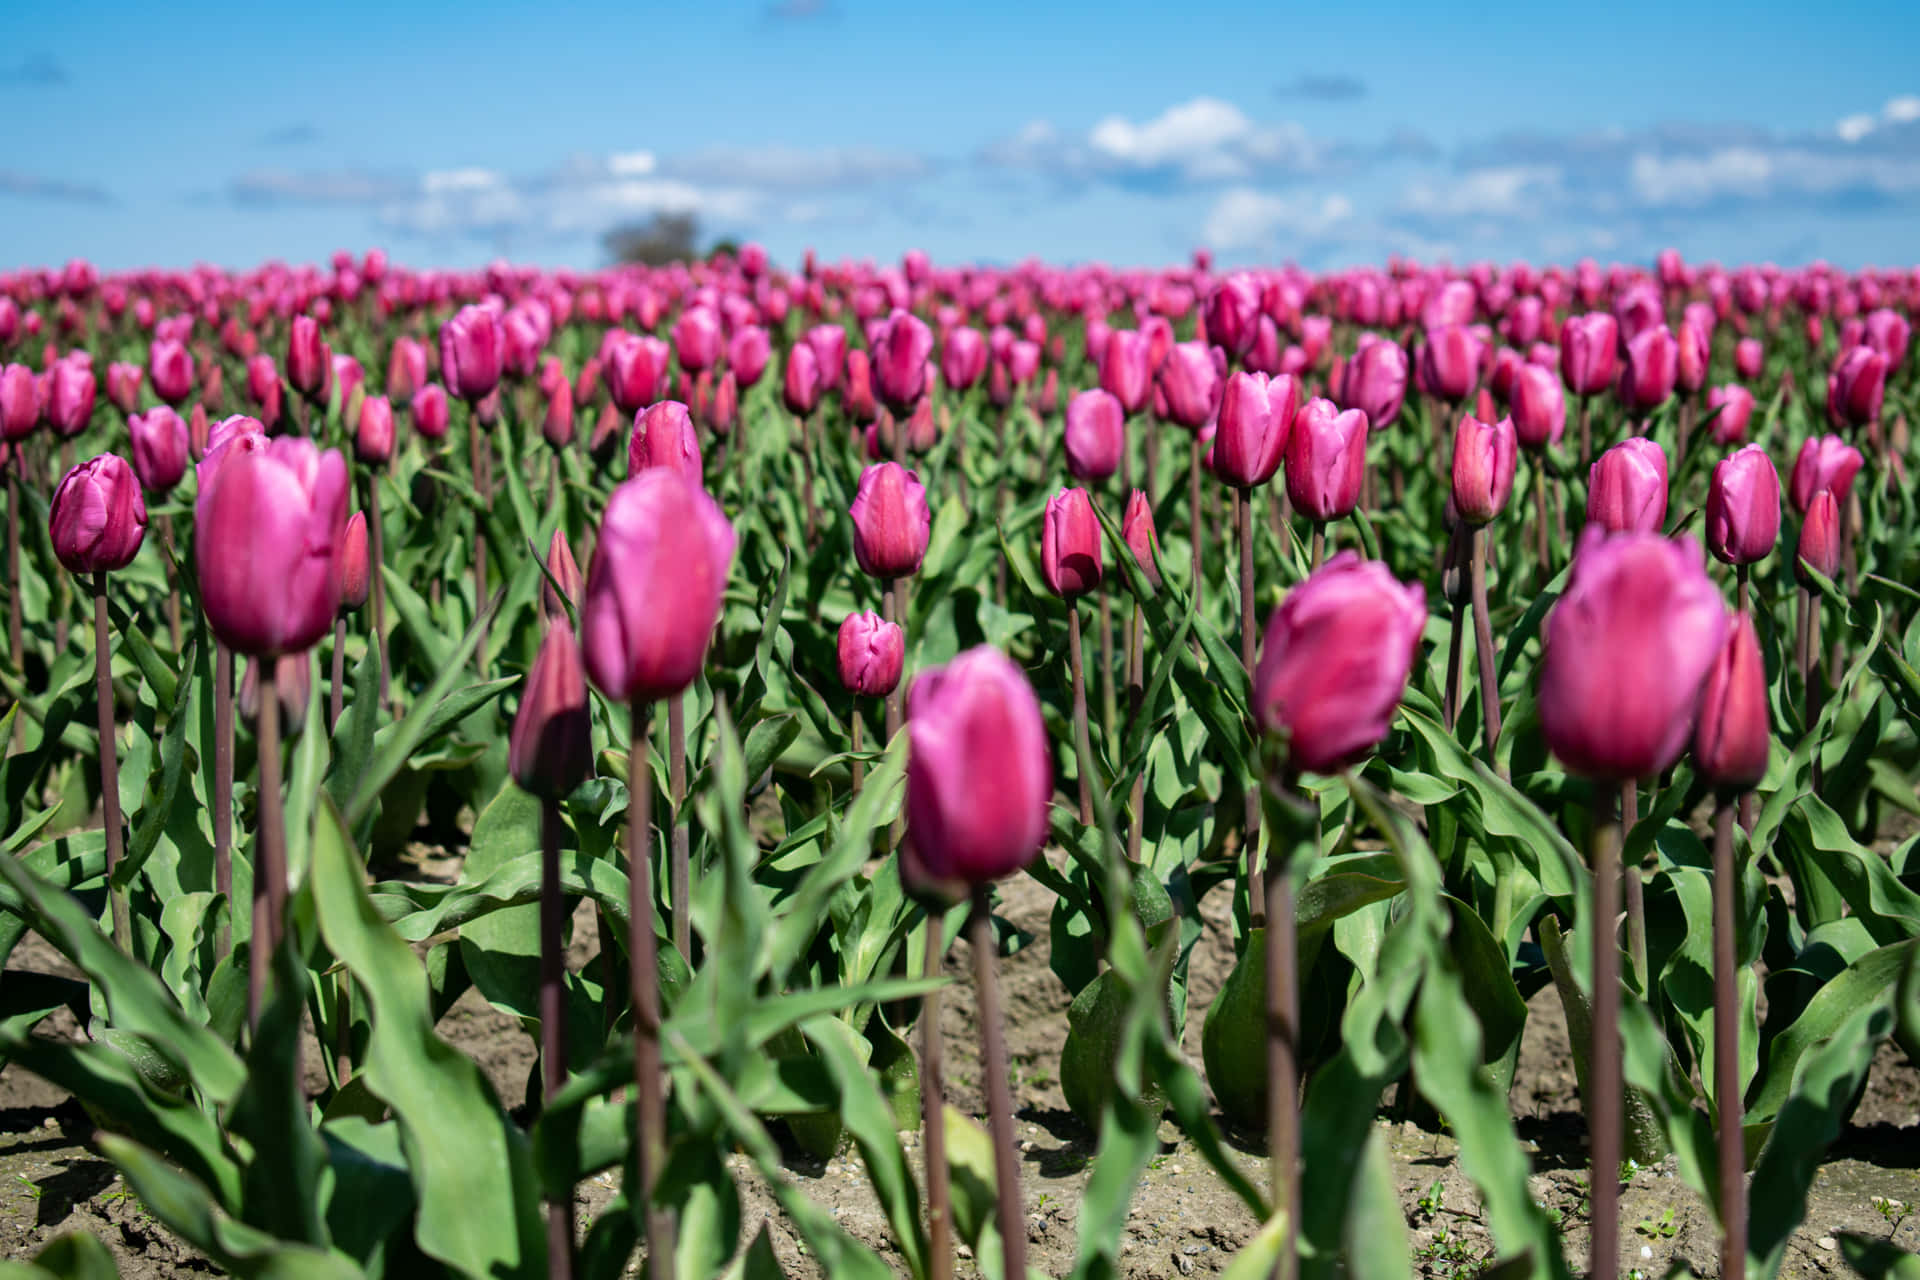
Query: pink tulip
pixel 1748 358
pixel 98 518
pixel 900 360
pixel 979 773
pixel 430 411
pixel 1125 371
pixel 1627 487
pixel 354 566
pixel 1334 662
pixel 1539 407
pixel 1070 544
pixel 1824 463
pixel 963 357
pixel 1734 404
pixel 1191 383
pixel 1627 651
pixel 1890 334
pixel 1137 529
pixel 829 343
pixel 70 393
pixel 1858 386
pixel 872 654
pixel 308 359
pixel 748 352
pixel 1484 458
pixel 1819 548
pixel 123 385
pixel 1450 362
pixel 1589 352
pixel 1256 418
pixel 633 370
pixel 1690 371
pixel 1326 459
pixel 800 382
pixel 373 437
pixel 550 751
pixel 664 436
pixel 471 352
pixel 406 369
pixel 654 589
pixel 1232 313
pixel 1653 367
pixel 1095 434
pixel 20 402
pixel 1731 744
pixel 891 521
pixel 160 446
pixel 268 528
pixel 1743 507
pixel 522 335
pixel 696 338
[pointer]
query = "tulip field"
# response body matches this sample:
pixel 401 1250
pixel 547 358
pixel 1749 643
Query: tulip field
pixel 738 769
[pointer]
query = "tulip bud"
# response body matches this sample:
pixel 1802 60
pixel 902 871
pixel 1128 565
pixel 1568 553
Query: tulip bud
pixel 1731 744
pixel 748 352
pixel 564 571
pixel 1334 661
pixel 1732 408
pixel 406 369
pixel 1484 457
pixel 1589 352
pixel 1326 459
pixel 1743 507
pixel 696 338
pixel 1095 434
pixel 829 344
pixel 292 689
pixel 664 436
pixel 1824 463
pixel 873 653
pixel 354 564
pixel 1653 367
pixel 1192 385
pixel 123 385
pixel 308 359
pixel 1070 544
pixel 1232 313
pixel 1692 354
pixel 1450 362
pixel 1539 407
pixel 70 393
pixel 1627 650
pixel 159 448
pixel 1124 370
pixel 891 521
pixel 20 402
pixel 1858 386
pixel 1819 549
pixel 1375 381
pixel 979 773
pixel 900 354
pixel 556 424
pixel 550 751
pixel 373 440
pixel 1138 531
pixel 1890 334
pixel 522 335
pixel 800 382
pixel 98 517
pixel 268 525
pixel 431 411
pixel 471 352
pixel 1256 418
pixel 1627 487
pixel 963 357
pixel 172 370
pixel 655 586
pixel 856 386
pixel 1748 358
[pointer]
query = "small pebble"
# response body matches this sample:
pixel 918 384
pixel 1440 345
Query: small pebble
pixel 1827 1243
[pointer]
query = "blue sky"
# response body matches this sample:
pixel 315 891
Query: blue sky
pixel 1124 132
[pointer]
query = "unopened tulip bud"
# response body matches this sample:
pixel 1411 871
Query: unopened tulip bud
pixel 1743 507
pixel 1819 549
pixel 268 527
pixel 1653 368
pixel 1326 460
pixel 354 564
pixel 1731 743
pixel 891 521
pixel 1732 408
pixel 431 411
pixel 308 359
pixel 550 751
pixel 1748 358
pixel 1192 385
pixel 98 518
pixel 748 352
pixel 1125 372
pixel 1256 419
pixel 664 436
pixel 20 402
pixel 373 439
pixel 1095 434
pixel 1450 362
pixel 800 380
pixel 1589 352
pixel 70 394
pixel 160 443
pixel 1070 544
pixel 1484 458
pixel 471 353
pixel 872 653
pixel 172 370
pixel 1138 531
pixel 1824 463
pixel 563 572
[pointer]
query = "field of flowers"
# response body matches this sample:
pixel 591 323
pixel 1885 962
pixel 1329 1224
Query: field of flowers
pixel 981 736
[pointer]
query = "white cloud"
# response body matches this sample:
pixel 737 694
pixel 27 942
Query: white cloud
pixel 1683 180
pixel 1855 127
pixel 1201 140
pixel 630 164
pixel 1243 218
pixel 797 168
pixel 1503 191
pixel 1902 110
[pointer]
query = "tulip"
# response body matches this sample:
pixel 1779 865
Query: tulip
pixel 1748 358
pixel 1484 458
pixel 406 369
pixel 237 434
pixel 654 588
pixel 1589 352
pixel 1125 372
pixel 963 357
pixel 351 380
pixel 747 354
pixel 1824 463
pixel 123 385
pixel 159 448
pixel 1692 355
pixel 556 423
pixel 872 655
pixel 856 386
pixel 1730 745
pixel 696 338
pixel 1449 362
pixel 20 402
pixel 269 525
pixel 1232 313
pixel 829 343
pixel 430 411
pixel 1256 418
pixel 172 370
pixel 800 383
pixel 633 369
pixel 1653 366
pixel 1137 530
pixel 562 588
pixel 98 519
pixel 550 751
pixel 1732 408
pixel 1539 407
pixel 1858 386
pixel 891 521
pixel 471 353
pixel 1070 544
pixel 664 436
pixel 1326 460
pixel 1627 487
pixel 1192 385
pixel 70 393
pixel 1743 507
pixel 1375 381
pixel 900 354
pixel 1095 434
pixel 1334 662
pixel 308 359
pixel 1819 549
pixel 354 565
pixel 373 439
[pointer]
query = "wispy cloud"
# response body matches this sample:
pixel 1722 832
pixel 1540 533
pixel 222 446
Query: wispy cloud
pixel 1324 87
pixel 28 186
pixel 291 135
pixel 33 71
pixel 1202 140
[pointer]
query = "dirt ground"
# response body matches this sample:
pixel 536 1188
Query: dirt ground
pixel 1183 1222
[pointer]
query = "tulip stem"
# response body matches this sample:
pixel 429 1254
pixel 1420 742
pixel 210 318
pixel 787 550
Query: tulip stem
pixel 1083 750
pixel 890 610
pixel 1604 1117
pixel 1319 543
pixel 337 677
pixel 476 446
pixel 1483 644
pixel 1631 887
pixel 553 1020
pixel 678 876
pixel 1243 528
pixel 993 1053
pixel 1197 528
pixel 650 1116
pixel 374 536
pixel 270 846
pixel 223 786
pixel 858 766
pixel 109 762
pixel 1150 442
pixel 1539 470
pixel 16 647
pixel 1450 572
pixel 1136 698
pixel 1586 432
pixel 173 588
pixel 1729 1105
pixel 1810 671
pixel 933 1109
pixel 1283 1017
pixel 1109 707
pixel 806 473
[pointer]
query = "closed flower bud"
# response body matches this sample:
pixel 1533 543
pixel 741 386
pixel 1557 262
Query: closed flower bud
pixel 654 589
pixel 829 343
pixel 1450 362
pixel 160 445
pixel 431 411
pixel 1819 548
pixel 19 402
pixel 472 350
pixel 748 352
pixel 263 387
pixel 172 370
pixel 406 369
pixel 1125 372
pixel 1743 507
pixel 550 751
pixel 1693 355
pixel 1334 661
pixel 1732 409
pixel 268 530
pixel 900 360
pixel 98 517
pixel 1375 381
pixel 354 564
pixel 70 393
pixel 373 439
pixel 1138 531
pixel 1070 544
pixel 556 423
pixel 634 370
pixel 1748 358
pixel 891 521
pixel 1859 385
pixel 979 775
pixel 1627 650
pixel 1627 487
pixel 873 653
pixel 1824 463
pixel 800 381
pixel 123 385
pixel 856 386
pixel 1326 460
pixel 1539 406
pixel 963 357
pixel 696 338
pixel 1890 334
pixel 1731 744
pixel 1095 434
pixel 308 359
pixel 664 436
pixel 1232 313
pixel 1192 384
pixel 563 570
pixel 1484 457
pixel 1653 367
pixel 1589 352
pixel 1256 417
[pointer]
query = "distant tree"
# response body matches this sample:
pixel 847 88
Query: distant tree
pixel 662 238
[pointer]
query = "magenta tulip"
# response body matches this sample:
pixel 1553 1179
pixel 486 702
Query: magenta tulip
pixel 891 521
pixel 800 381
pixel 159 448
pixel 1070 544
pixel 123 385
pixel 1256 418
pixel 829 343
pixel 471 352
pixel 1137 530
pixel 1732 408
pixel 1819 547
pixel 268 529
pixel 406 369
pixel 172 370
pixel 748 351
pixel 1858 386
pixel 430 411
pixel 20 402
pixel 1192 385
pixel 664 436
pixel 1824 463
pixel 1627 487
pixel 1748 358
pixel 1125 370
pixel 1484 457
pixel 1450 362
pixel 1743 507
pixel 98 518
pixel 354 564
pixel 1653 367
pixel 1589 352
pixel 963 357
pixel 1095 434
pixel 550 751
pixel 872 653
pixel 1326 459
pixel 1375 381
pixel 70 393
pixel 308 358
pixel 1539 407
pixel 696 338
pixel 1692 355
pixel 1232 313
pixel 373 437
pixel 900 352
pixel 1730 745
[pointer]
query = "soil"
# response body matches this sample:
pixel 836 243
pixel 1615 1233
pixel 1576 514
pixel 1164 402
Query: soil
pixel 1183 1221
